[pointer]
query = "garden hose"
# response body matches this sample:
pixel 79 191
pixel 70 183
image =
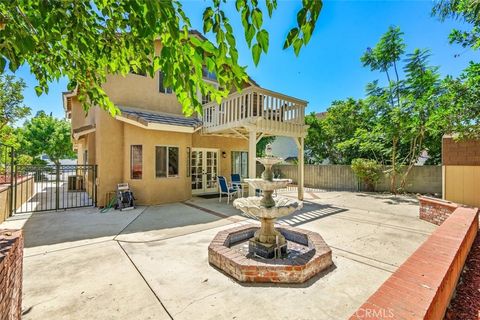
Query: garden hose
pixel 109 205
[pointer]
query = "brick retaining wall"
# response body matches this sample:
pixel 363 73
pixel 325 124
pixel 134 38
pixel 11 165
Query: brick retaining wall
pixel 11 262
pixel 422 286
pixel 435 210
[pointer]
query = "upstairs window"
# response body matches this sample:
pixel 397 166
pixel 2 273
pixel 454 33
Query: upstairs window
pixel 136 166
pixel 208 75
pixel 166 162
pixel 161 87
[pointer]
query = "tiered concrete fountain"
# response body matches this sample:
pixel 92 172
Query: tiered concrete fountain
pixel 252 253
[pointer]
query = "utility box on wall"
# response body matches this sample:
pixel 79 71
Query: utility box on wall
pixel 461 171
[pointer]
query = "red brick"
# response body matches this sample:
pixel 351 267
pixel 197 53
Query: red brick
pixel 422 286
pixel 11 253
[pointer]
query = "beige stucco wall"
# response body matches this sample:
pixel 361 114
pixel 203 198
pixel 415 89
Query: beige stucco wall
pixel 462 184
pixel 114 162
pixel 140 92
pixel 108 153
pixel 226 145
pixel 149 189
pixel 79 117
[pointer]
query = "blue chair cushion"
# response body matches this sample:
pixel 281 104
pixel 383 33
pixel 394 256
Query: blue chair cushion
pixel 223 184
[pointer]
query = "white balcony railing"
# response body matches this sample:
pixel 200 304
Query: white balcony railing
pixel 268 111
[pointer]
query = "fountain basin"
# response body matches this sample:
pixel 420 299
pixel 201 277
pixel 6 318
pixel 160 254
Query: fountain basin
pixel 253 206
pixel 267 185
pixel 312 255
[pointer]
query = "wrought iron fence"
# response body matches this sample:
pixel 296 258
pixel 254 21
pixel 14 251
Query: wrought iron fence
pixel 54 187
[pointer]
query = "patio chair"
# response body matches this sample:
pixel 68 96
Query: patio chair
pixel 223 188
pixel 237 183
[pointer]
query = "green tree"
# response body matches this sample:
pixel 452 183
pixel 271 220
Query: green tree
pixel 404 108
pixel 460 111
pixel 262 144
pixel 11 100
pixel 384 57
pixel 45 134
pixel 465 10
pixel 86 40
pixel 459 106
pixel 315 151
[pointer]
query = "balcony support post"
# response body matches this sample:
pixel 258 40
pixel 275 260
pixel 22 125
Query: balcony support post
pixel 252 153
pixel 301 167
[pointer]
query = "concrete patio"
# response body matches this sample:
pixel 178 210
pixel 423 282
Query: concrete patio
pixel 151 262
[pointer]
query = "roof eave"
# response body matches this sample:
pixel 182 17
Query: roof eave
pixel 140 122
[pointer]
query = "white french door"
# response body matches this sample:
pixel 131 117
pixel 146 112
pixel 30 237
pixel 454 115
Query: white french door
pixel 204 166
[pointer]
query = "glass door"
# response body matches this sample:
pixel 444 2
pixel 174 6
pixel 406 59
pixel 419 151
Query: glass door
pixel 204 170
pixel 197 171
pixel 211 171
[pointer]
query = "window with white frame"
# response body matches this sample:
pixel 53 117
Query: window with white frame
pixel 166 161
pixel 240 163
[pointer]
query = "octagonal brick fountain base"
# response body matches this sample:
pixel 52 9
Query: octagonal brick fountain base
pixel 307 255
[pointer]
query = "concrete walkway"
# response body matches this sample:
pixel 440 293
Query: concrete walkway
pixel 151 263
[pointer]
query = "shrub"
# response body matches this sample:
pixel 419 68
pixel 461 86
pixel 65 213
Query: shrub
pixel 368 171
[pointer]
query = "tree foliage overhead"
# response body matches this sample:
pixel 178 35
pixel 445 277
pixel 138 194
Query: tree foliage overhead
pixel 45 134
pixel 461 101
pixel 465 10
pixel 86 40
pixel 459 112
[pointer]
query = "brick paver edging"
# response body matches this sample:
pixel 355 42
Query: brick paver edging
pixel 422 286
pixel 11 262
pixel 297 270
pixel 435 210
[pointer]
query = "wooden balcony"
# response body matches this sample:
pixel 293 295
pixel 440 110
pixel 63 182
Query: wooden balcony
pixel 256 109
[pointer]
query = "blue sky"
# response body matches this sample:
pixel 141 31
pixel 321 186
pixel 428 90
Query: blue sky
pixel 329 67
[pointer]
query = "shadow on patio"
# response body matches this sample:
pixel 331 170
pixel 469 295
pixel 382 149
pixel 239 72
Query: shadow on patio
pixel 138 225
pixel 311 211
pixel 389 198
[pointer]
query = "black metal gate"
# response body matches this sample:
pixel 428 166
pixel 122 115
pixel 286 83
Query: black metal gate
pixel 54 187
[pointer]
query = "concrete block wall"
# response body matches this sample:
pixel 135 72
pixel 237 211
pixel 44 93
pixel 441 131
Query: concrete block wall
pixel 421 179
pixel 11 269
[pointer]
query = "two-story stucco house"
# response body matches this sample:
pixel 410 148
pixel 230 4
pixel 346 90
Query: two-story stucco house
pixel 166 157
